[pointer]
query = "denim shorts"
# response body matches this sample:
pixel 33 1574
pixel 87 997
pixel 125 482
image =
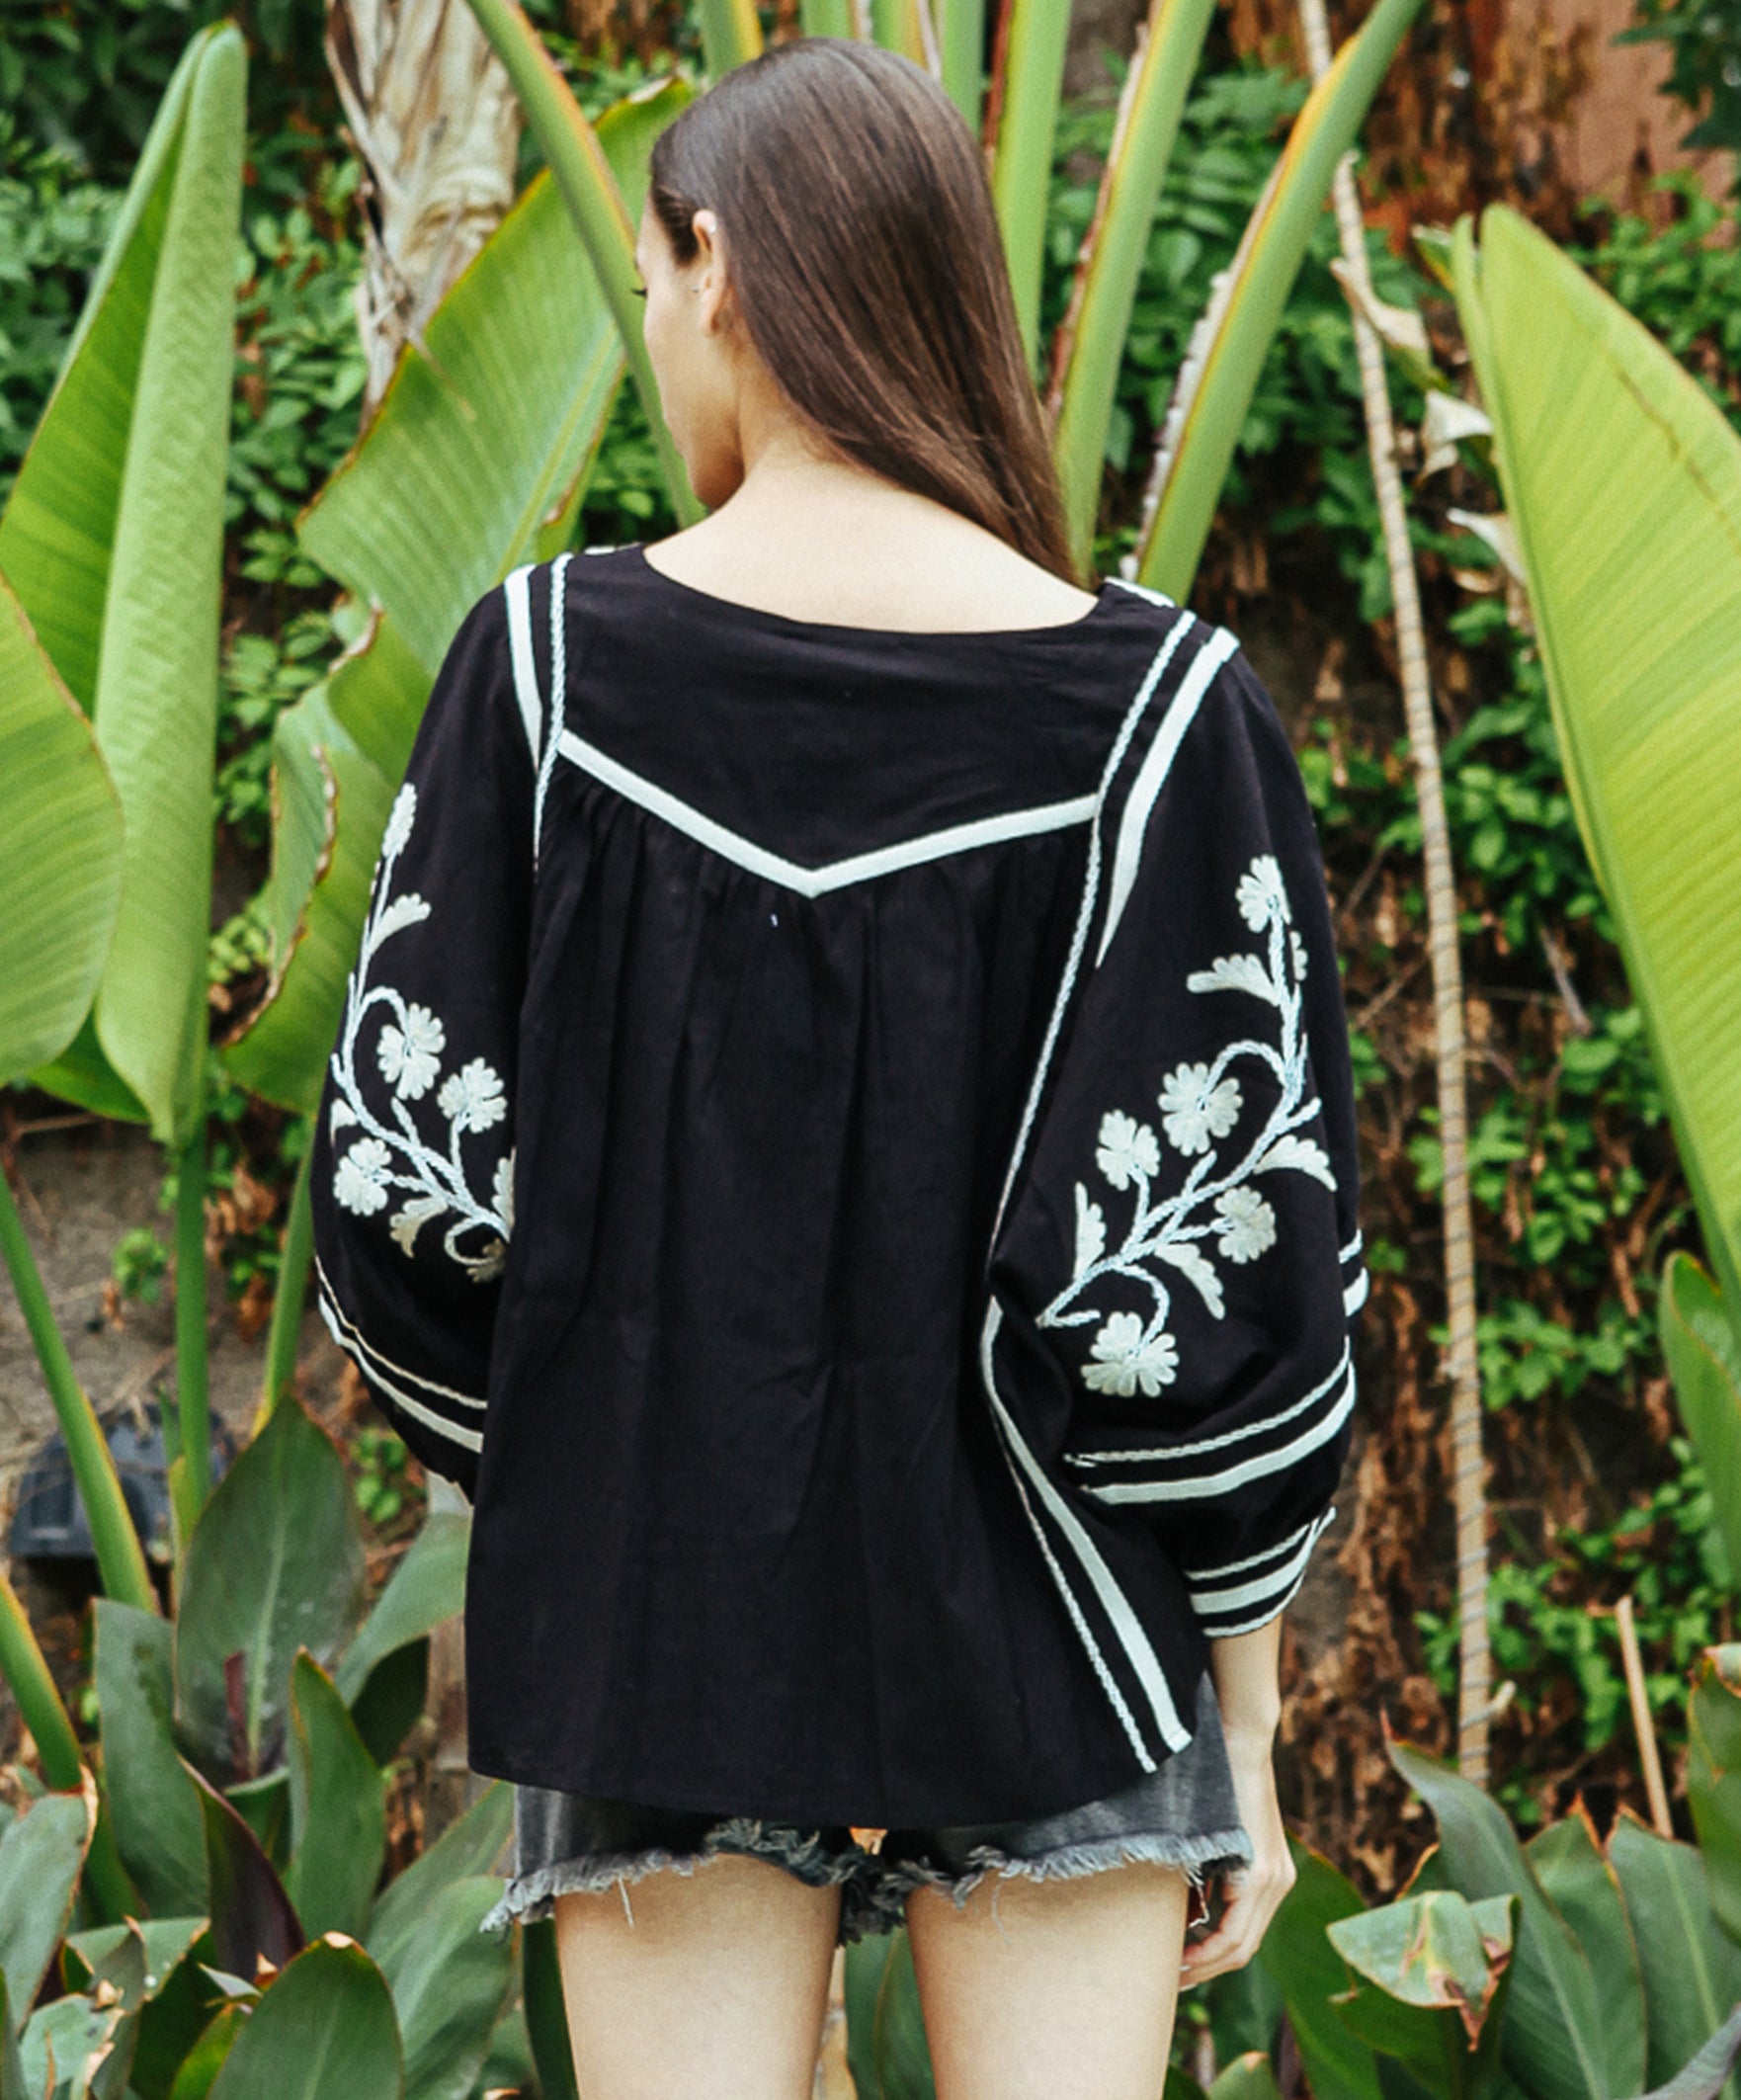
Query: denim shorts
pixel 1183 1816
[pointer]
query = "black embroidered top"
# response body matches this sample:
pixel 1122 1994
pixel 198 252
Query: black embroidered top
pixel 843 1142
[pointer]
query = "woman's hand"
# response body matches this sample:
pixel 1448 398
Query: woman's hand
pixel 1248 1692
pixel 1254 1892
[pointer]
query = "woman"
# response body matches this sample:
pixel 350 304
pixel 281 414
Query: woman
pixel 842 1140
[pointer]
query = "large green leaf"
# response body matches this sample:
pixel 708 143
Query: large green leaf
pixel 1298 1953
pixel 1035 38
pixel 324 2031
pixel 1692 1973
pixel 75 2049
pixel 1116 250
pixel 1553 2039
pixel 151 1801
pixel 1701 1347
pixel 427 1587
pixel 1705 2075
pixel 330 803
pixel 1432 1972
pixel 1228 353
pixel 338 1808
pixel 11 2085
pixel 1584 1888
pixel 199 2073
pixel 251 1916
pixel 467 1847
pixel 450 1985
pixel 546 2018
pixel 275 1565
pixel 478 441
pixel 1622 481
pixel 114 540
pixel 886 2049
pixel 599 197
pixel 1714 1777
pixel 172 1990
pixel 61 848
pixel 40 1855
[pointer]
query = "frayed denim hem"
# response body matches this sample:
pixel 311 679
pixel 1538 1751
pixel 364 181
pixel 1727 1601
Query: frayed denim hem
pixel 532 1896
pixel 1198 1858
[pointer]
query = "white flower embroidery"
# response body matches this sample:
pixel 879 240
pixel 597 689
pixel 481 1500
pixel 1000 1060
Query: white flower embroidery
pixel 410 1056
pixel 400 818
pixel 394 1160
pixel 1128 1149
pixel 473 1099
pixel 1248 1224
pixel 1194 1111
pixel 1128 1357
pixel 1261 898
pixel 361 1181
pixel 1091 1230
pixel 1216 1210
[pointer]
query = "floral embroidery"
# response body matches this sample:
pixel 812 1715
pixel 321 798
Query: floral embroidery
pixel 1216 1211
pixel 397 1159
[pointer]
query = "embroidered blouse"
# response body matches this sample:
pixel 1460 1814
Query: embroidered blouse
pixel 841 1142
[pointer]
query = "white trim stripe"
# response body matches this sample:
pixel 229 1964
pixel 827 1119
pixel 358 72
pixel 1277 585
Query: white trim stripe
pixel 1272 1610
pixel 1143 590
pixel 817 882
pixel 517 590
pixel 1354 1296
pixel 1261 1586
pixel 558 708
pixel 1085 915
pixel 1210 1575
pixel 1206 1487
pixel 363 1346
pixel 1353 1246
pixel 1114 1602
pixel 1218 1443
pixel 1157 763
pixel 466 1439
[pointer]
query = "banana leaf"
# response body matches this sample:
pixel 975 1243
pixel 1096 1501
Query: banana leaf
pixel 1226 357
pixel 1622 481
pixel 112 541
pixel 61 852
pixel 1100 319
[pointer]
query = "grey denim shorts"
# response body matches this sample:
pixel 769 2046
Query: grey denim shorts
pixel 1184 1815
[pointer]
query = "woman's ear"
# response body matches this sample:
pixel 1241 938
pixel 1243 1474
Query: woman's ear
pixel 710 285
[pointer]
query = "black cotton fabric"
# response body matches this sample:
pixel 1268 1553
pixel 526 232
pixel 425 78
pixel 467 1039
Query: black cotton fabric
pixel 842 1142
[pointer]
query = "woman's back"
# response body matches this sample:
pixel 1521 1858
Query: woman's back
pixel 761 956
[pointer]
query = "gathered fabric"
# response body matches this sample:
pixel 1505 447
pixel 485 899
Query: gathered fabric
pixel 843 1143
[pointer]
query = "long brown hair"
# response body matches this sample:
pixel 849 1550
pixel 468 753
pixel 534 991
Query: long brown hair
pixel 864 250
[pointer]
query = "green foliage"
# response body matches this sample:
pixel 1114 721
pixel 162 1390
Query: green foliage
pixel 380 1485
pixel 1703 38
pixel 1307 403
pixel 1683 281
pixel 1551 1623
pixel 138 1265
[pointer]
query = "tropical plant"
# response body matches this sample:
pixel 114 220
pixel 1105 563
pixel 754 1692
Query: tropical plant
pixel 211 1876
pixel 110 552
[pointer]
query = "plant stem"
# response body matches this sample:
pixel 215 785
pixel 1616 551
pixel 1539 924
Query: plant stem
pixel 1475 1673
pixel 121 1559
pixel 192 1390
pixel 292 1295
pixel 57 1752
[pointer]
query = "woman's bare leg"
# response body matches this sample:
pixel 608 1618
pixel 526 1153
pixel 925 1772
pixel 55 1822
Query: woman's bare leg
pixel 1051 1990
pixel 717 1986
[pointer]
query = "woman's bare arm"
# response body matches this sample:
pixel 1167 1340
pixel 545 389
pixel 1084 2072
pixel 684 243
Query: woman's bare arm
pixel 1248 1689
